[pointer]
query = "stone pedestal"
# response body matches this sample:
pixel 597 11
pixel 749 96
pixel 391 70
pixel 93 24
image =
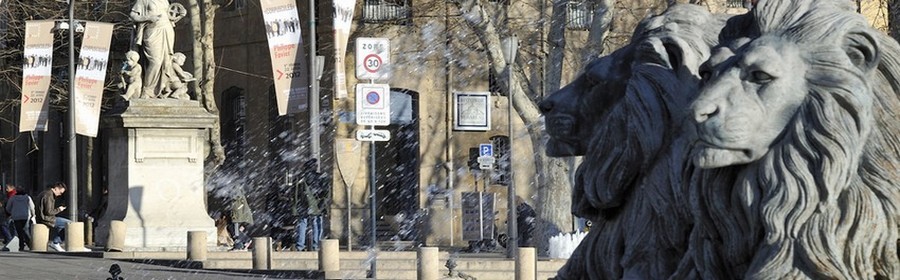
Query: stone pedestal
pixel 154 154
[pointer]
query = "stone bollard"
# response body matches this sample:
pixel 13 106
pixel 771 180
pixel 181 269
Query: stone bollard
pixel 75 237
pixel 196 245
pixel 526 264
pixel 330 259
pixel 40 235
pixel 116 240
pixel 428 263
pixel 262 253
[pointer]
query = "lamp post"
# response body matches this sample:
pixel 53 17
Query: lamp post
pixel 70 127
pixel 510 47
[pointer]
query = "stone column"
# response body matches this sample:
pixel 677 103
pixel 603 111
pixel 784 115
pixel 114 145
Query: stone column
pixel 75 237
pixel 428 263
pixel 262 253
pixel 154 153
pixel 526 264
pixel 330 259
pixel 196 245
pixel 116 240
pixel 40 235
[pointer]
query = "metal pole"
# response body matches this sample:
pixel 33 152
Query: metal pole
pixel 512 228
pixel 73 145
pixel 314 90
pixel 372 206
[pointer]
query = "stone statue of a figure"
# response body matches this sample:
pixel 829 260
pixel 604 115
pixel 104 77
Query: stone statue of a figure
pixel 155 36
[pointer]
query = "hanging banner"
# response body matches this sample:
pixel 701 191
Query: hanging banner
pixel 90 76
pixel 36 65
pixel 289 67
pixel 343 20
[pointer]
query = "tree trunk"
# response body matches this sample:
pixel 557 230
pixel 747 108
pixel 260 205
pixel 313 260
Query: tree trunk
pixel 196 34
pixel 603 15
pixel 208 84
pixel 894 18
pixel 556 38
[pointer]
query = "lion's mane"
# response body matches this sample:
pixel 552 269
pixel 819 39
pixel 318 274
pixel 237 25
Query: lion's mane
pixel 823 202
pixel 629 184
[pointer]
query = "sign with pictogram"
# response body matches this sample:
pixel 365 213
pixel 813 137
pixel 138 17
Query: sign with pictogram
pixel 373 105
pixel 373 59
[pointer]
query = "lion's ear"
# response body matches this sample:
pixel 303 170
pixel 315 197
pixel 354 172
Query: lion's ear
pixel 863 50
pixel 652 50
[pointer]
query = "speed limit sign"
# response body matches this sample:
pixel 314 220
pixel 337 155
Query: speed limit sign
pixel 373 58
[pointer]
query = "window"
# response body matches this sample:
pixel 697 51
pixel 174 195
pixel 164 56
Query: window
pixel 580 14
pixel 387 11
pixel 500 174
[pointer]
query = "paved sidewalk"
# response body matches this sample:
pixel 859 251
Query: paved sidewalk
pixel 43 266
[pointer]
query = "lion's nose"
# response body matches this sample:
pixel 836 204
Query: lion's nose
pixel 546 106
pixel 705 112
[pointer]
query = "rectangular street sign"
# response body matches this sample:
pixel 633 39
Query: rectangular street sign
pixel 373 58
pixel 373 104
pixel 373 135
pixel 486 150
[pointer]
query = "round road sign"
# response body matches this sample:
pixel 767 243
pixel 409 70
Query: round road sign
pixel 372 63
pixel 373 97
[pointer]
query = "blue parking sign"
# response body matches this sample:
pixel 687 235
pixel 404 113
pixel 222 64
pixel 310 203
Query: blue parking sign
pixel 486 150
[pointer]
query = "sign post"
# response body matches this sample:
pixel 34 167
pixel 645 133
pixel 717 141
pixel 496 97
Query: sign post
pixel 373 107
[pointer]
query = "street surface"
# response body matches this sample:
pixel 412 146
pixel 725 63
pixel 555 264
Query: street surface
pixel 43 266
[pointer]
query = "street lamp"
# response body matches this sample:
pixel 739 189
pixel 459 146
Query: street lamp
pixel 510 47
pixel 70 127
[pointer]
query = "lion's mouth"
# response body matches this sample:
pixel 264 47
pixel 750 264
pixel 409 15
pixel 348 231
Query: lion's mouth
pixel 562 126
pixel 708 155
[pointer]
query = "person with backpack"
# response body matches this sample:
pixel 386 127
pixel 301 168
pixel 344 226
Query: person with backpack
pixel 21 211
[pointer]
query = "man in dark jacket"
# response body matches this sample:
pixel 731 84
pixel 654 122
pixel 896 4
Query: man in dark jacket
pixel 47 211
pixel 315 194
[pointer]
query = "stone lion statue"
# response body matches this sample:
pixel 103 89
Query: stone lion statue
pixel 798 151
pixel 625 114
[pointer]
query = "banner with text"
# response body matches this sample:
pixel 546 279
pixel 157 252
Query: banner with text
pixel 343 20
pixel 36 65
pixel 90 76
pixel 289 66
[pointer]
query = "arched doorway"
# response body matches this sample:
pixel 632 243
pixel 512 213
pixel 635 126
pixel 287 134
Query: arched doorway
pixel 398 169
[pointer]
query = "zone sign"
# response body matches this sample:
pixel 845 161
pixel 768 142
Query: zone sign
pixel 373 59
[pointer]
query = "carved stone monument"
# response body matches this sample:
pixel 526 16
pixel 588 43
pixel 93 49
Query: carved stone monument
pixel 766 146
pixel 154 155
pixel 154 148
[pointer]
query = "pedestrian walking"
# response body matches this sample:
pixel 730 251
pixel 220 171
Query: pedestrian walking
pixel 315 193
pixel 241 217
pixel 4 220
pixel 46 214
pixel 21 211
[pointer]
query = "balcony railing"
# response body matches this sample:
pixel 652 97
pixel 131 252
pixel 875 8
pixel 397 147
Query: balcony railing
pixel 580 14
pixel 382 11
pixel 734 3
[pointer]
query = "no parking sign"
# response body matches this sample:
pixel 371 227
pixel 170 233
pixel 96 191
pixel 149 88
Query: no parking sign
pixel 373 58
pixel 373 104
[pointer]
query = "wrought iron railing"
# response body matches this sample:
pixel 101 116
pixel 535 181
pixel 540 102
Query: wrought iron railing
pixel 580 14
pixel 387 11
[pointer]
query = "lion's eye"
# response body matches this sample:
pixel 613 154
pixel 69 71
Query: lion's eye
pixel 761 77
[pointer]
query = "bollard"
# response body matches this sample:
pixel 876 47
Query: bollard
pixel 116 240
pixel 262 253
pixel 526 264
pixel 196 245
pixel 428 263
pixel 330 259
pixel 89 232
pixel 40 235
pixel 75 237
